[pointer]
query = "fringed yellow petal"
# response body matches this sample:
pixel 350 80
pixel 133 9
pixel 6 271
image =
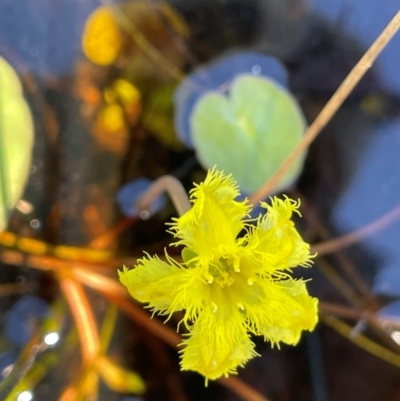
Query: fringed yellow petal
pixel 275 242
pixel 286 312
pixel 217 345
pixel 210 228
pixel 166 288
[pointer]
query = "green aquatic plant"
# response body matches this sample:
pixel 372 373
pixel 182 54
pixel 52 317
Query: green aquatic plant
pixel 229 285
pixel 249 132
pixel 16 140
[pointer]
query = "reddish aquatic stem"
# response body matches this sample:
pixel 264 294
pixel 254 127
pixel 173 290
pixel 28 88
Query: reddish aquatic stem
pixel 83 317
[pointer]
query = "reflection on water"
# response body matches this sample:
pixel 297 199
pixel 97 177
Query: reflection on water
pixel 373 191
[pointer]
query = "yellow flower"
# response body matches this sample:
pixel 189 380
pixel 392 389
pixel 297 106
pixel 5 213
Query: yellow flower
pixel 235 279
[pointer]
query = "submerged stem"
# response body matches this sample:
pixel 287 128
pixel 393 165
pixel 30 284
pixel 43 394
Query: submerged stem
pixel 172 187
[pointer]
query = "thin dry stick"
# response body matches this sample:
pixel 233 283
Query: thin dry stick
pixel 311 215
pixel 339 283
pixel 347 240
pixel 350 270
pixel 362 341
pixel 331 107
pixel 326 308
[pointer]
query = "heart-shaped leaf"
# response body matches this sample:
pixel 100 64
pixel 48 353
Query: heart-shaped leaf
pixel 219 74
pixel 249 132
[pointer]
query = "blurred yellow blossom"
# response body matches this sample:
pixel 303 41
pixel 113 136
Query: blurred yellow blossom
pixel 234 280
pixel 112 117
pixel 101 40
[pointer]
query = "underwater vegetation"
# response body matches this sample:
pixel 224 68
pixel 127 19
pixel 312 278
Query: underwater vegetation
pixel 156 95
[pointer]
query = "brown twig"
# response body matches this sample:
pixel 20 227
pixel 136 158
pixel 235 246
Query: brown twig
pixel 311 215
pixel 346 312
pixel 352 238
pixel 331 107
pixel 339 283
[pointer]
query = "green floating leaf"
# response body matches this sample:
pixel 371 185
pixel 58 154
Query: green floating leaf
pixel 16 140
pixel 249 132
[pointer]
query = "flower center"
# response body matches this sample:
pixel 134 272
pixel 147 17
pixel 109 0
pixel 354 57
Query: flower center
pixel 222 272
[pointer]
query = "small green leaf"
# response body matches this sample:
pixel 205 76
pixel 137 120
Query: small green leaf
pixel 16 140
pixel 249 132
